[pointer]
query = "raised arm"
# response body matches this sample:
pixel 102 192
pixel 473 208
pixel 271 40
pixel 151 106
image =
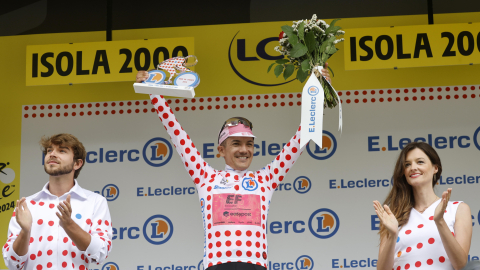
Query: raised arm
pixel 193 162
pixel 282 163
pixel 386 252
pixel 457 244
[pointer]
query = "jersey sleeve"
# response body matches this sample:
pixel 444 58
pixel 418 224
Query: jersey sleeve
pixel 282 163
pixel 192 160
pixel 101 233
pixel 12 259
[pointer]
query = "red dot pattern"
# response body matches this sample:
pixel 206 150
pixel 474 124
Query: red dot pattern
pixel 247 101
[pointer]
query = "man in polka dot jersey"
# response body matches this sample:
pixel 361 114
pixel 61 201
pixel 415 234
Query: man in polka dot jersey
pixel 63 226
pixel 234 201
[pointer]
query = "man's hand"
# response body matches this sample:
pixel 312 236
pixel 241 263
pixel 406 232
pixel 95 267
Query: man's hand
pixel 23 215
pixel 325 73
pixel 65 213
pixel 142 75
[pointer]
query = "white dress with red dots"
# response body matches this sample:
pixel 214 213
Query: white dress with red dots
pixel 419 245
pixel 50 247
pixel 234 204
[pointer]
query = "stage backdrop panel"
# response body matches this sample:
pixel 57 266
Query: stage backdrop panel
pixel 321 215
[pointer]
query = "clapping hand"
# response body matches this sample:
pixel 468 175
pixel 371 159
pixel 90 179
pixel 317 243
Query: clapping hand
pixel 387 218
pixel 23 215
pixel 65 213
pixel 442 206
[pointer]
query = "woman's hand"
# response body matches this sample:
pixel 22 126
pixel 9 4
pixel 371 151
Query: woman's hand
pixel 326 74
pixel 142 75
pixel 387 218
pixel 442 206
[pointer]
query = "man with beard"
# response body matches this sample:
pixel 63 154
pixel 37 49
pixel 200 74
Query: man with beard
pixel 63 225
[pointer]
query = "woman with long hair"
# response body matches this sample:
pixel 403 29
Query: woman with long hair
pixel 417 228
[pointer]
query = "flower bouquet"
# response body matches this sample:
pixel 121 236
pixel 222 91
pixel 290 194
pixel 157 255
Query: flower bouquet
pixel 307 45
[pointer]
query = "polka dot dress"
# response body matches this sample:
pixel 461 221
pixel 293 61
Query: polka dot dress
pixel 50 246
pixel 234 204
pixel 419 245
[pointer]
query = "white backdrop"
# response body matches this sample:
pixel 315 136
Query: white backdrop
pixel 338 184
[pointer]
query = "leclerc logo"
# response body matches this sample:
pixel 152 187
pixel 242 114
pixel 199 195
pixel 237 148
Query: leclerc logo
pixel 324 223
pixel 302 184
pixel 304 262
pixel 313 90
pixel 247 63
pixel 249 184
pixel 110 266
pixel 200 265
pixel 329 144
pixel 158 229
pixel 110 192
pixel 157 152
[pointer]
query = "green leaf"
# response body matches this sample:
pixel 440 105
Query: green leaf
pixel 333 22
pixel 333 74
pixel 298 50
pixel 310 41
pixel 287 29
pixel 278 70
pixel 331 50
pixel 325 57
pixel 281 61
pixel 305 65
pixel 302 75
pixel 293 39
pixel 301 31
pixel 270 67
pixel 332 30
pixel 288 71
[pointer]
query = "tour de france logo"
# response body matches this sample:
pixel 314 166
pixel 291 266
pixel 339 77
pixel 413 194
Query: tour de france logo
pixel 329 147
pixel 110 192
pixel 324 223
pixel 157 152
pixel 158 229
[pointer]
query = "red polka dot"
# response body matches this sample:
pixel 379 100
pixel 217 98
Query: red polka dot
pixel 65 253
pixel 50 238
pixel 39 253
pixel 238 233
pixel 409 249
pixel 419 245
pixel 441 259
pixel 431 241
pixel 407 266
pixel 65 239
pixel 399 267
pixel 82 267
pixel 33 257
pixel 430 218
pixel 238 243
pixel 239 253
pixel 219 254
pixel 228 243
pixel 217 234
pixel 49 252
pixel 429 261
pixel 64 264
pixel 50 223
pixel 228 253
pixel 248 243
pixel 40 222
pixel 420 226
pixel 51 205
pixel 39 267
pixel 418 264
pixel 408 232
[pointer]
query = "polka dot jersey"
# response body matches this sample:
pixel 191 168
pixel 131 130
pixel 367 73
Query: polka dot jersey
pixel 50 247
pixel 419 245
pixel 234 203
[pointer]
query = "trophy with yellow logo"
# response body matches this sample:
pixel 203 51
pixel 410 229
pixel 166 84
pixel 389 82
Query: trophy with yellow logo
pixel 179 84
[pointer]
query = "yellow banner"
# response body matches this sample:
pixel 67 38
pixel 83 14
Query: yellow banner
pixel 94 62
pixel 412 46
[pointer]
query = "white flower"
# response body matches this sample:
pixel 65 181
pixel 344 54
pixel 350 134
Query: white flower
pixel 338 40
pixel 322 22
pixel 314 17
